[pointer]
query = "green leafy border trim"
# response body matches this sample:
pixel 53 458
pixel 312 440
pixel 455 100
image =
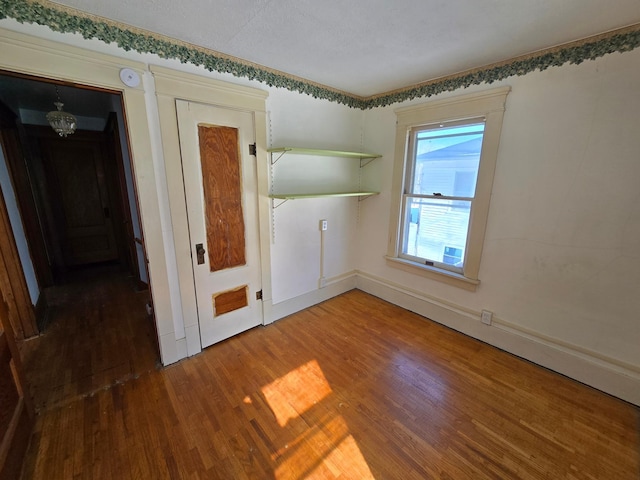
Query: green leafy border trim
pixel 622 40
pixel 67 20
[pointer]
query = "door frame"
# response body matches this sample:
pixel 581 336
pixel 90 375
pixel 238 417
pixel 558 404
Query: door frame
pixel 170 86
pixel 114 141
pixel 25 54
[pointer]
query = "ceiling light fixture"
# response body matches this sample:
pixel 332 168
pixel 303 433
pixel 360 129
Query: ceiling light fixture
pixel 62 122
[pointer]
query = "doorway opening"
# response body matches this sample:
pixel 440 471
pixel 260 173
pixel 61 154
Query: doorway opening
pixel 75 220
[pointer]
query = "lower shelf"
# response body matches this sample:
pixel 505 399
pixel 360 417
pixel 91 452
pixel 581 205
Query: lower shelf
pixel 293 196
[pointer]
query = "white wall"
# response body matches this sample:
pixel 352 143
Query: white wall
pixel 302 121
pixel 561 261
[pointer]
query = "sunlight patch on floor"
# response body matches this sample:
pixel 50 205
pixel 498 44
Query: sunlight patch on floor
pixel 323 446
pixel 296 392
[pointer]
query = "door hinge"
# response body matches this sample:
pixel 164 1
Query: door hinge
pixel 259 295
pixel 252 149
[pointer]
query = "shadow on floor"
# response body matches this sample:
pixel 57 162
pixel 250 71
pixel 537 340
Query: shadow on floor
pixel 96 333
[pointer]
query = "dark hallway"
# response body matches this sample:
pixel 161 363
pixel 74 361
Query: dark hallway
pixel 97 334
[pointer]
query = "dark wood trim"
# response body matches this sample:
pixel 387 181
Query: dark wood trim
pixel 142 286
pixel 11 469
pixel 42 311
pixel 12 281
pixel 16 159
pixel 15 440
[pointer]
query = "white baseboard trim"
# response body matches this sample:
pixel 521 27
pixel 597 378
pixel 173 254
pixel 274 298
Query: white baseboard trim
pixel 610 376
pixel 171 350
pixel 334 287
pixel 181 348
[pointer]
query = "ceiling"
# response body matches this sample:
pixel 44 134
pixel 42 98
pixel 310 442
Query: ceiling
pixel 361 47
pixel 368 47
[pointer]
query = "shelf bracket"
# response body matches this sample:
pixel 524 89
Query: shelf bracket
pixel 273 203
pixel 367 161
pixel 273 162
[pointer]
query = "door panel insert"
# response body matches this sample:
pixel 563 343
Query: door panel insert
pixel 222 187
pixel 225 302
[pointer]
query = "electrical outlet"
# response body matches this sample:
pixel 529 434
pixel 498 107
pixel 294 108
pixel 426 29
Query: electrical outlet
pixel 486 317
pixel 323 225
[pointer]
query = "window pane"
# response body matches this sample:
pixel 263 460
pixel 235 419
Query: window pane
pixel 447 160
pixel 436 230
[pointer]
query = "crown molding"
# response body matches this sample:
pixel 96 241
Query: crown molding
pixel 68 20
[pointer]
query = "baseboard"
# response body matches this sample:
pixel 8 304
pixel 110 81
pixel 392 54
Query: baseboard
pixel 608 375
pixel 41 312
pixel 171 350
pixel 333 287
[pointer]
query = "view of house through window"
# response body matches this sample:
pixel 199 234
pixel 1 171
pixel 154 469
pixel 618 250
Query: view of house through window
pixel 439 192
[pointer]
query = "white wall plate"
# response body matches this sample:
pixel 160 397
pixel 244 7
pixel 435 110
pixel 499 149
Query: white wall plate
pixel 129 77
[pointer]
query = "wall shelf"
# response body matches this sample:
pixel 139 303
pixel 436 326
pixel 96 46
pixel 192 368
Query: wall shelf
pixel 293 196
pixel 277 153
pixel 321 152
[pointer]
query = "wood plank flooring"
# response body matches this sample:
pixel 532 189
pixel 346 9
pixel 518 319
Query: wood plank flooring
pixel 97 334
pixel 353 388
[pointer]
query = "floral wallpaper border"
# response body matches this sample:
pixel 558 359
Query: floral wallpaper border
pixel 66 20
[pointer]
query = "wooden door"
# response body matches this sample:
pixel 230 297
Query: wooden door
pixel 222 209
pixel 16 410
pixel 79 189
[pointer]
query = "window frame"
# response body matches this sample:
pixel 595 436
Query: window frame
pixel 489 104
pixel 409 193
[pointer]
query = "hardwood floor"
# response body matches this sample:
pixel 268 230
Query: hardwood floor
pixel 97 334
pixel 353 388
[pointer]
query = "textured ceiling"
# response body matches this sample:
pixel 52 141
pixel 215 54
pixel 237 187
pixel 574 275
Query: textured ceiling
pixel 367 47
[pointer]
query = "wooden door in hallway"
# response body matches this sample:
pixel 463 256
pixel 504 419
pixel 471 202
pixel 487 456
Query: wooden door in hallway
pixel 79 180
pixel 222 200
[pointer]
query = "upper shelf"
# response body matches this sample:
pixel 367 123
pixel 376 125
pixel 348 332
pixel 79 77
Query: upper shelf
pixel 324 153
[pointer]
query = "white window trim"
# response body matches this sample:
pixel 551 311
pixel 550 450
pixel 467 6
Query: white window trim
pixel 489 104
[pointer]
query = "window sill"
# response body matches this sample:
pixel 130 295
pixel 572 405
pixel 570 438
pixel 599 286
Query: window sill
pixel 450 278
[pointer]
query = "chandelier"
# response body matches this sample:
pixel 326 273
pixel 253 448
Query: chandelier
pixel 62 122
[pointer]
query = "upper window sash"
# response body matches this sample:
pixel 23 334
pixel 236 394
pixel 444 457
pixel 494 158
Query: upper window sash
pixel 437 132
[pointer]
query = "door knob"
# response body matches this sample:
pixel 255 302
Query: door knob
pixel 200 251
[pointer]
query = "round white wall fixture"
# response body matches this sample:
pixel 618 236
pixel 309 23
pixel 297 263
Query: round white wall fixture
pixel 129 77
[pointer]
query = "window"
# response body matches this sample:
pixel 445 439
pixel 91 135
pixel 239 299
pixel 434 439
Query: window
pixel 445 159
pixel 442 171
